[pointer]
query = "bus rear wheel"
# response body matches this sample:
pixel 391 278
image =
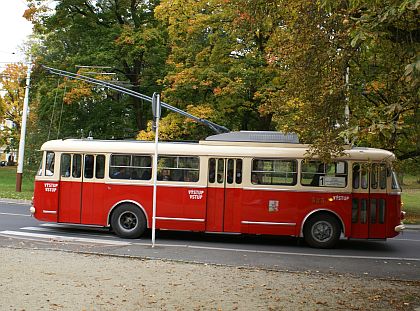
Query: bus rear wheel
pixel 128 221
pixel 322 231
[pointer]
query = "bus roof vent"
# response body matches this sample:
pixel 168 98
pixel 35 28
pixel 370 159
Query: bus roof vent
pixel 256 136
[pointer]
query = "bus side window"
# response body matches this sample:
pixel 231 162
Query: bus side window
pixel 234 171
pixel 356 176
pixel 230 171
pixel 65 165
pixel 311 173
pixel 320 171
pixel 382 176
pixel 212 170
pixel 374 176
pixel 360 176
pixel 238 176
pixel 141 167
pixel 220 171
pixel 319 174
pixel 118 166
pixel 89 162
pixel 179 168
pixel 49 163
pixel 274 172
pixel 77 166
pixel 364 177
pixel 100 167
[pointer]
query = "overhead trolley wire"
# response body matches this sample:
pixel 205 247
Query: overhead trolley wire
pixel 215 127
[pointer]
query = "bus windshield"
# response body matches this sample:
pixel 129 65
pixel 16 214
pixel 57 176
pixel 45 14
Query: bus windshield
pixel 395 183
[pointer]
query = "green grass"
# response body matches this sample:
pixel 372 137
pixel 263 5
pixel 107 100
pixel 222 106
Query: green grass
pixel 8 184
pixel 411 199
pixel 411 182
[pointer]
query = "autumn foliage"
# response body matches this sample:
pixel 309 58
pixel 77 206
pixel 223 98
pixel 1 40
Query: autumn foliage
pixel 247 65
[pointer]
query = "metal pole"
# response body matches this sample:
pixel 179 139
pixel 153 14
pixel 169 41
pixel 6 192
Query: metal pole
pixel 156 116
pixel 23 129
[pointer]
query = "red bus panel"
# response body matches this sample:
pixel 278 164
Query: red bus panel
pixel 46 200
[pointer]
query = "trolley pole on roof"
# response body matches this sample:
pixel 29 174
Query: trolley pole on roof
pixel 156 116
pixel 23 129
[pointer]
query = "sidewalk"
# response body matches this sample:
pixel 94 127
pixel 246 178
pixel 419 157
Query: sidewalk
pixel 51 280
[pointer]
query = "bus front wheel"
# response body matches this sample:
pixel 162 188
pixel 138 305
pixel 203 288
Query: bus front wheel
pixel 322 231
pixel 128 221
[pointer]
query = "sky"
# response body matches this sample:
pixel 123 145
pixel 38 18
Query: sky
pixel 14 30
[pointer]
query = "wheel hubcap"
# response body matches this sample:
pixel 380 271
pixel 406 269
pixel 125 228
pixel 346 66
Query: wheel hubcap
pixel 322 231
pixel 128 221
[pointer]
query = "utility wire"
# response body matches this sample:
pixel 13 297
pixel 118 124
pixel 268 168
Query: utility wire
pixel 215 127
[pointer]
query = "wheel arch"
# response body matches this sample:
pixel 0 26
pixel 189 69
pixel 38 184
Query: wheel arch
pixel 137 204
pixel 322 211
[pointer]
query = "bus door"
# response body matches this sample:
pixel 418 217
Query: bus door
pixel 69 206
pixel 79 190
pixel 369 212
pixel 224 195
pixel 93 190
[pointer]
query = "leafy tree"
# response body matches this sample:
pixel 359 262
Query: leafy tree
pixel 378 42
pixel 386 74
pixel 215 63
pixel 310 53
pixel 245 64
pixel 120 35
pixel 12 80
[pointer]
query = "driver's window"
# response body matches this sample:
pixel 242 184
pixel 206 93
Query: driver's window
pixel 49 163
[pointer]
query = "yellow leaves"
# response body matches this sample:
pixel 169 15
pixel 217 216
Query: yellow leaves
pixel 36 12
pixel 176 127
pixel 80 90
pixel 13 74
pixel 146 135
pixel 188 78
pixel 201 111
pixel 29 13
pixel 295 103
pixel 375 86
pixel 12 80
pixel 75 94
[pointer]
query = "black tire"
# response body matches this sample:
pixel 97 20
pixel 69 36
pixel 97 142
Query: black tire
pixel 128 221
pixel 322 231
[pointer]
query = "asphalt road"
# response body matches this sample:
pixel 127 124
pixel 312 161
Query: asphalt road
pixel 397 258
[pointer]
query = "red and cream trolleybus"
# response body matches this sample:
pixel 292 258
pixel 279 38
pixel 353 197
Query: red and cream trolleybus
pixel 238 182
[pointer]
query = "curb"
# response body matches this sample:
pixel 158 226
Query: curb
pixel 412 227
pixel 15 201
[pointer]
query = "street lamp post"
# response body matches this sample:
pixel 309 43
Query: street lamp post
pixel 156 108
pixel 23 130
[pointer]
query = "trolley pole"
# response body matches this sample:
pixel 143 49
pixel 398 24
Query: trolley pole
pixel 23 129
pixel 156 116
